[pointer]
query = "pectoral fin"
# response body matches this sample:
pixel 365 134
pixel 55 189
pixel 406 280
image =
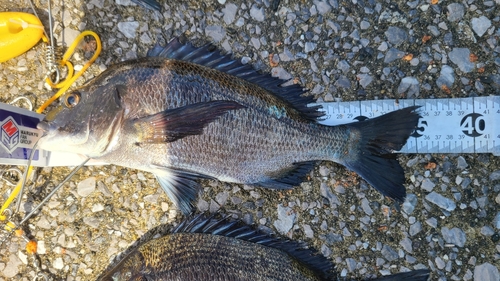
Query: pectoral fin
pixel 173 124
pixel 181 186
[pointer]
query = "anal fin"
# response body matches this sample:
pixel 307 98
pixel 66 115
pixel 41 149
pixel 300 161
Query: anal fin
pixel 181 186
pixel 290 177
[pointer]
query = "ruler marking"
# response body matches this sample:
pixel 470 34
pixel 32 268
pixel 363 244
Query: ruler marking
pixel 467 125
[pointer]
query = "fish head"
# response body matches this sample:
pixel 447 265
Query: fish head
pixel 85 122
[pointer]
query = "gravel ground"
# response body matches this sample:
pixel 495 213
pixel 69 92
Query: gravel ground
pixel 340 50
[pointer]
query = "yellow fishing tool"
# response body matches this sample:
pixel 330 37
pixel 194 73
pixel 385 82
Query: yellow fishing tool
pixel 19 32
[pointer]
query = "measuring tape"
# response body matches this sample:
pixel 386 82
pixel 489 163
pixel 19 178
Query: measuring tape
pixel 455 125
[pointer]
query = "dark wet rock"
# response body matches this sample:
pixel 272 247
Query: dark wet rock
pixel 343 82
pixel 496 221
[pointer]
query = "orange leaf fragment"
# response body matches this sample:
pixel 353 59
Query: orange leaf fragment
pixel 408 57
pixel 31 247
pixel 430 166
pixel 426 38
pixel 446 89
pixel 472 58
pixel 272 63
pixel 19 232
pixel 383 228
pixel 480 70
pixel 434 2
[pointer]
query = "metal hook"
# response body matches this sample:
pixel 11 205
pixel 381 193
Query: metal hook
pixel 28 101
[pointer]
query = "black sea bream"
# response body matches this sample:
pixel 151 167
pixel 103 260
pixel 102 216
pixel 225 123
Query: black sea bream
pixel 209 249
pixel 185 113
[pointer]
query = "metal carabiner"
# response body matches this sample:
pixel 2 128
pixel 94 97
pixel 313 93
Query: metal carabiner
pixel 8 181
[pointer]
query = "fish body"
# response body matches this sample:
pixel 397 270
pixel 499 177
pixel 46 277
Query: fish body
pixel 203 248
pixel 185 113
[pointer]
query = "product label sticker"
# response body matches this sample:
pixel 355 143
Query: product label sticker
pixel 18 135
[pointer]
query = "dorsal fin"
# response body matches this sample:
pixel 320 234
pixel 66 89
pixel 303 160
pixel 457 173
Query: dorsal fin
pixel 208 55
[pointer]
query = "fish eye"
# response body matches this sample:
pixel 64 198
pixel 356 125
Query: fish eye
pixel 72 99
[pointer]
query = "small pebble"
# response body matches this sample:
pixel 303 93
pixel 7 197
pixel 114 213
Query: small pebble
pixel 496 221
pixel 441 201
pixel 427 185
pixel 216 32
pixel 446 77
pixel 58 263
pixel 454 236
pixel 410 203
pixel 480 25
pixel 129 28
pixel 456 12
pixel 388 253
pixel 393 54
pixel 257 13
pixel 286 219
pixel 396 35
pixel 460 57
pixel 486 272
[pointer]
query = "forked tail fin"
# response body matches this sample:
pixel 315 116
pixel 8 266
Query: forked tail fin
pixel 373 158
